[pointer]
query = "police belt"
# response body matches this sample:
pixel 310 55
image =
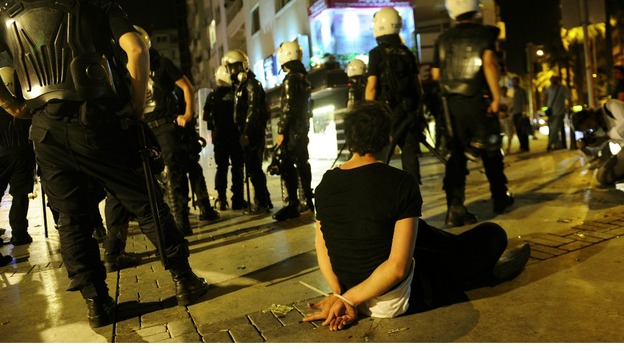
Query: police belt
pixel 159 122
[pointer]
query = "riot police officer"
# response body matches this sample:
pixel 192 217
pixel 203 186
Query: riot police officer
pixel 219 116
pixel 17 163
pixel 393 78
pixel 292 130
pixel 251 115
pixel 466 65
pixel 78 132
pixel 356 71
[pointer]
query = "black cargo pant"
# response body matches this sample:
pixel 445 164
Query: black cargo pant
pixel 296 154
pixel 228 153
pixel 470 122
pixel 17 169
pixel 68 153
pixel 254 155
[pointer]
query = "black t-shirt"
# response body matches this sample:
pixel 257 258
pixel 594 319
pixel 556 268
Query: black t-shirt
pixel 409 68
pixel 357 210
pixel 161 88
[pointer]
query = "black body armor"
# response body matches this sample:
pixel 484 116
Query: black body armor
pixel 461 50
pixel 251 111
pixel 296 105
pixel 54 51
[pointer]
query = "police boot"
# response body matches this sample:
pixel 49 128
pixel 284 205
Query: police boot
pixel 117 262
pixel 188 286
pixel 287 212
pixel 99 233
pixel 222 201
pixel 239 203
pixel 458 215
pixel 207 212
pixel 100 311
pixel 499 205
pixel 5 259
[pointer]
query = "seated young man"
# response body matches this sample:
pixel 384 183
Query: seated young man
pixel 377 256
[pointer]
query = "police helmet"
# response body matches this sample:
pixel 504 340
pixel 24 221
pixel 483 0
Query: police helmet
pixel 289 51
pixel 356 67
pixel 144 36
pixel 386 21
pixel 457 8
pixel 8 77
pixel 235 56
pixel 222 77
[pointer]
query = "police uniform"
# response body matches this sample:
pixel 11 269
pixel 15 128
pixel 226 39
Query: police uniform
pixel 77 135
pixel 17 170
pixel 161 110
pixel 294 125
pixel 251 115
pixel 219 115
pixel 406 125
pixel 458 55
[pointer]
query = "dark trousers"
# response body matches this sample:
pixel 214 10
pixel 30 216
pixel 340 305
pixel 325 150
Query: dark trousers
pixel 407 137
pixel 228 153
pixel 176 182
pixel 295 166
pixel 254 154
pixel 17 169
pixel 68 154
pixel 117 220
pixel 448 264
pixel 471 122
pixel 520 121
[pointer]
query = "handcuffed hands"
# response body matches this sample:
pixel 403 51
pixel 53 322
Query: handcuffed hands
pixel 336 313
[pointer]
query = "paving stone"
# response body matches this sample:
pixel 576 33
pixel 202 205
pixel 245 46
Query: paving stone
pixel 186 338
pixel 153 330
pixel 150 296
pixel 128 325
pixel 547 249
pixel 264 320
pixel 217 337
pixel 575 245
pixel 158 337
pixel 245 333
pixel 224 325
pixel 164 316
pixel 583 237
pixel 540 255
pixel 127 297
pixel 601 235
pixel 292 317
pixel 543 241
pixel 129 338
pixel 556 238
pixel 289 329
pixel 181 327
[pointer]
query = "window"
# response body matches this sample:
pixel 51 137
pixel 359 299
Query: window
pixel 255 20
pixel 279 4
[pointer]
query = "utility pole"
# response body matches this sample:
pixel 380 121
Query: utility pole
pixel 589 72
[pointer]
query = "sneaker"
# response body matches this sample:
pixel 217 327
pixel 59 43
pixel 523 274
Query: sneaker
pixel 210 215
pixel 21 240
pixel 512 262
pixel 123 260
pixel 288 212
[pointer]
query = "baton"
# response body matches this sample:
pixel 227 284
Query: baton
pixel 247 179
pixel 151 190
pixel 44 207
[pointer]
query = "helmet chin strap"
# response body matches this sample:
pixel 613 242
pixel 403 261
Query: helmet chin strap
pixel 242 76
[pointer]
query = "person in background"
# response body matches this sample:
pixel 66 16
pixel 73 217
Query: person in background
pixel 466 66
pixel 292 131
pixel 356 71
pixel 506 120
pixel 251 115
pixel 519 114
pixel 17 162
pixel 228 153
pixel 557 99
pixel 393 78
pixel 378 257
pixel 618 75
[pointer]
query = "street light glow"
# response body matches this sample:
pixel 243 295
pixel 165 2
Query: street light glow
pixel 539 52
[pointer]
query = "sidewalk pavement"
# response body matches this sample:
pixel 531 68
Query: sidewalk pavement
pixel 569 291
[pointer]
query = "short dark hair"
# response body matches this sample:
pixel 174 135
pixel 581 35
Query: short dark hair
pixel 581 116
pixel 467 16
pixel 367 127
